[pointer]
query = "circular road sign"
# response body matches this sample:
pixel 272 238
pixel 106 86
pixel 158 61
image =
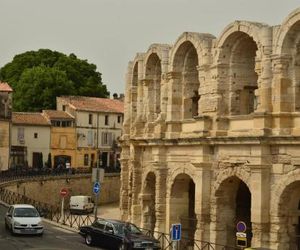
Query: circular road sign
pixel 64 192
pixel 241 227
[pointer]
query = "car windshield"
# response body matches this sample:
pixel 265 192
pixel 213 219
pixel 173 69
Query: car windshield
pixel 26 212
pixel 121 228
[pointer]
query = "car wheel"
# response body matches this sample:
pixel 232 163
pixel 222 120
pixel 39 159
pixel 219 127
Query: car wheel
pixel 88 240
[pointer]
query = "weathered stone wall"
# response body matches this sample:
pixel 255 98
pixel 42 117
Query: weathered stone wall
pixel 47 189
pixel 211 135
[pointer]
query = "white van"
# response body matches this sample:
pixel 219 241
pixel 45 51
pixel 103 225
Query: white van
pixel 81 204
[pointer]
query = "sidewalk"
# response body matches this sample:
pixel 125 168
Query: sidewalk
pixel 109 211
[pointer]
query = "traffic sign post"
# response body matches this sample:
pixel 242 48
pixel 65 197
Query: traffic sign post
pixel 63 193
pixel 175 235
pixel 96 189
pixel 241 236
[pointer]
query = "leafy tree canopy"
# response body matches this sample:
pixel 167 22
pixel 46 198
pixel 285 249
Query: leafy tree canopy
pixel 37 77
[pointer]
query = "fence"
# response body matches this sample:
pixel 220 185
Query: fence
pixel 53 213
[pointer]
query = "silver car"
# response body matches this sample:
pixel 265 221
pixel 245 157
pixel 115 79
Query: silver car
pixel 23 219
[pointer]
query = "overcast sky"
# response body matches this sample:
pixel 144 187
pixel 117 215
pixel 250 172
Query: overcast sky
pixel 108 33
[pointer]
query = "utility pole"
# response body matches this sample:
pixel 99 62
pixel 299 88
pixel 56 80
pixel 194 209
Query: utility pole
pixel 95 189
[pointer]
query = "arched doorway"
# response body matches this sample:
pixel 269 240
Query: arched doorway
pixel 238 56
pixel 153 76
pixel 233 201
pixel 186 63
pixel 148 202
pixel 291 47
pixel 182 205
pixel 289 217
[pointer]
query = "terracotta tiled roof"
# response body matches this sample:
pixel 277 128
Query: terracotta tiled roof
pixel 27 118
pixel 95 104
pixel 4 87
pixel 57 114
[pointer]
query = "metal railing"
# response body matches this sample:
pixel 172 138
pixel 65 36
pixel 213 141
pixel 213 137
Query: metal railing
pixel 15 174
pixel 53 213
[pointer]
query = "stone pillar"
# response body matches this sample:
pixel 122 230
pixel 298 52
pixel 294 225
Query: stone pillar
pixel 263 68
pixel 260 205
pixel 136 184
pixel 160 198
pixel 127 101
pixel 202 200
pixel 174 105
pixel 124 192
pixel 282 85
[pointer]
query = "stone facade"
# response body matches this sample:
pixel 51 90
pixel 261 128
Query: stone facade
pixel 212 135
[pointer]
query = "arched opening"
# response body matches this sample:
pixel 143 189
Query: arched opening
pixel 186 63
pixel 153 76
pixel 148 202
pixel 238 55
pixel 289 217
pixel 182 205
pixel 291 47
pixel 233 200
pixel 134 92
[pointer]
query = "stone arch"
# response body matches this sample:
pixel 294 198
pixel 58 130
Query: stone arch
pixel 185 62
pixel 181 189
pixel 238 51
pixel 286 214
pixel 148 198
pixel 232 200
pixel 287 47
pixel 153 77
pixel 133 92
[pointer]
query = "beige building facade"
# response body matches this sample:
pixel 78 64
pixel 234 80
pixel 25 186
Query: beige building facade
pixel 30 139
pixel 212 135
pixel 5 124
pixel 98 125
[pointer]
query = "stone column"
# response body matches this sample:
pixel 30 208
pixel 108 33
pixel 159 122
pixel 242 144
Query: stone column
pixel 136 184
pixel 202 200
pixel 160 197
pixel 174 106
pixel 124 183
pixel 263 68
pixel 260 205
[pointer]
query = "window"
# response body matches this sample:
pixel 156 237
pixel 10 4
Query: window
pixel 35 135
pixel 90 119
pixel 86 160
pixel 90 138
pixel 64 107
pixel 119 119
pixel 107 138
pixel 109 227
pixel 99 224
pixel 106 120
pixel 21 138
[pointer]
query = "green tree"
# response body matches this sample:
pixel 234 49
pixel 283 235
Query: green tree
pixel 37 77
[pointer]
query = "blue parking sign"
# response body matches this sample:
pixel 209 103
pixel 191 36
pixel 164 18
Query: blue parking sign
pixel 176 232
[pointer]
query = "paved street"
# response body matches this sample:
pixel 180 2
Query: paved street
pixel 54 238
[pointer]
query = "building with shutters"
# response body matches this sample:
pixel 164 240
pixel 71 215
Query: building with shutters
pixel 98 124
pixel 5 124
pixel 212 135
pixel 30 140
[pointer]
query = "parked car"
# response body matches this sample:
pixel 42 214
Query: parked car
pixel 116 234
pixel 81 204
pixel 23 219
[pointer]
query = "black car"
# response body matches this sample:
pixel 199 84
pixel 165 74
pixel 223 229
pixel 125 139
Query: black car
pixel 115 234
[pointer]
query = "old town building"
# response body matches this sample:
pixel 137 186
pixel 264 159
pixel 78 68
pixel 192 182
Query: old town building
pixel 63 143
pixel 212 135
pixel 98 123
pixel 30 140
pixel 5 124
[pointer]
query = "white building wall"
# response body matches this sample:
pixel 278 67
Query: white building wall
pixel 39 144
